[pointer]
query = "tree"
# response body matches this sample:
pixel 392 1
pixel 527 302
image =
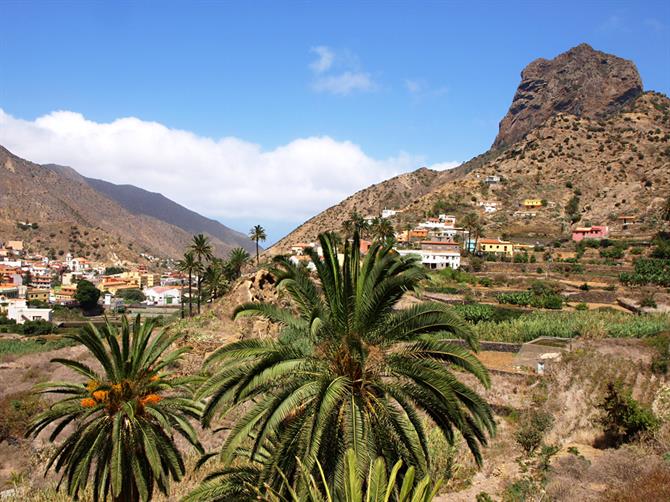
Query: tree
pixel 572 209
pixel 125 417
pixel 189 265
pixel 348 370
pixel 87 295
pixel 382 230
pixel 236 260
pixel 257 233
pixel 355 224
pixel 113 270
pixel 131 295
pixel 381 486
pixel 214 279
pixel 472 223
pixel 202 252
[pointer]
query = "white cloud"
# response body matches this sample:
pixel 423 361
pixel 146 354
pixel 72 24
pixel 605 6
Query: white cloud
pixel 339 73
pixel 443 166
pixel 228 178
pixel 419 88
pixel 324 60
pixel 344 83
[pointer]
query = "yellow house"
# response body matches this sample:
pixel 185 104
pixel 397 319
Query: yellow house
pixel 34 294
pixel 496 246
pixel 532 203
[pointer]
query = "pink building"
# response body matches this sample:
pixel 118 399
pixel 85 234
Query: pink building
pixel 594 232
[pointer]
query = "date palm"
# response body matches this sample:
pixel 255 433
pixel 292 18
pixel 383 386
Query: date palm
pixel 202 252
pixel 379 486
pixel 214 279
pixel 349 370
pixel 382 230
pixel 125 415
pixel 190 266
pixel 257 233
pixel 236 260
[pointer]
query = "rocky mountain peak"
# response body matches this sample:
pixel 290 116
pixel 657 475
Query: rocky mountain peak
pixel 582 82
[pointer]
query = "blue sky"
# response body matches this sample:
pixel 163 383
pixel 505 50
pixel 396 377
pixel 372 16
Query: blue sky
pixel 399 84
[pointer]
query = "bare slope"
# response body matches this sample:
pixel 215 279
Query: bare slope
pixel 72 216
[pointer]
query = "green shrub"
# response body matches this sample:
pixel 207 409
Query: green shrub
pixel 623 417
pixel 34 328
pixel 581 306
pixel 584 287
pixel 648 271
pixel 533 427
pixel 485 281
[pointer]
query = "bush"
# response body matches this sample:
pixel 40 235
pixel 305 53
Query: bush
pixel 624 419
pixel 613 252
pixel 485 281
pixel 34 328
pixel 648 301
pixel 584 287
pixel 581 306
pixel 534 425
pixel 131 295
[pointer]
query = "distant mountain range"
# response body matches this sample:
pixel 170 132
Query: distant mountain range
pixel 96 218
pixel 579 126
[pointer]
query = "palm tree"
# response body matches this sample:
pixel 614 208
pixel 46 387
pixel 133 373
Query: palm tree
pixel 349 370
pixel 189 265
pixel 355 224
pixel 257 233
pixel 381 486
pixel 202 251
pixel 236 260
pixel 124 416
pixel 382 230
pixel 472 223
pixel 214 279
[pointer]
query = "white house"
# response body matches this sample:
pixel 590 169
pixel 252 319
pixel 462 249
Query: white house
pixel 489 206
pixel 492 179
pixel 435 259
pixel 162 295
pixel 389 213
pixel 20 312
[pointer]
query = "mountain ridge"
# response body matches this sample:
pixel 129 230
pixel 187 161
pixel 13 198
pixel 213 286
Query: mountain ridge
pixel 618 146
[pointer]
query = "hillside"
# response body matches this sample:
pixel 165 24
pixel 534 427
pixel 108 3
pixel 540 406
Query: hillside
pixel 613 153
pixel 395 192
pixel 72 216
pixel 142 202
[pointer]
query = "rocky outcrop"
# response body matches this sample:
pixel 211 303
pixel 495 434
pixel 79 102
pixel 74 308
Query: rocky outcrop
pixel 582 82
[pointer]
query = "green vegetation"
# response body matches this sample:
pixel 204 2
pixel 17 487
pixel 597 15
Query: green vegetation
pixel 257 234
pixel 592 323
pixel 131 295
pixel 126 416
pixel 19 347
pixel 540 295
pixel 648 271
pixel 113 270
pixel 87 295
pixel 29 328
pixel 201 249
pixel 479 312
pixel 347 371
pixel 533 426
pixel 623 417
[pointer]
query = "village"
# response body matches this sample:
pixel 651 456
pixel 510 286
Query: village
pixel 32 284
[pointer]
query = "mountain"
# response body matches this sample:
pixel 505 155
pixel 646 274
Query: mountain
pixel 581 82
pixel 580 125
pixel 142 202
pixel 70 215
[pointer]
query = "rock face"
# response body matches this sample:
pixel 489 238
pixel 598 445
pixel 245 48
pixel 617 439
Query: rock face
pixel 582 82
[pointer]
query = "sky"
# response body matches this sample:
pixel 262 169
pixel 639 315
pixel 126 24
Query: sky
pixel 269 112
